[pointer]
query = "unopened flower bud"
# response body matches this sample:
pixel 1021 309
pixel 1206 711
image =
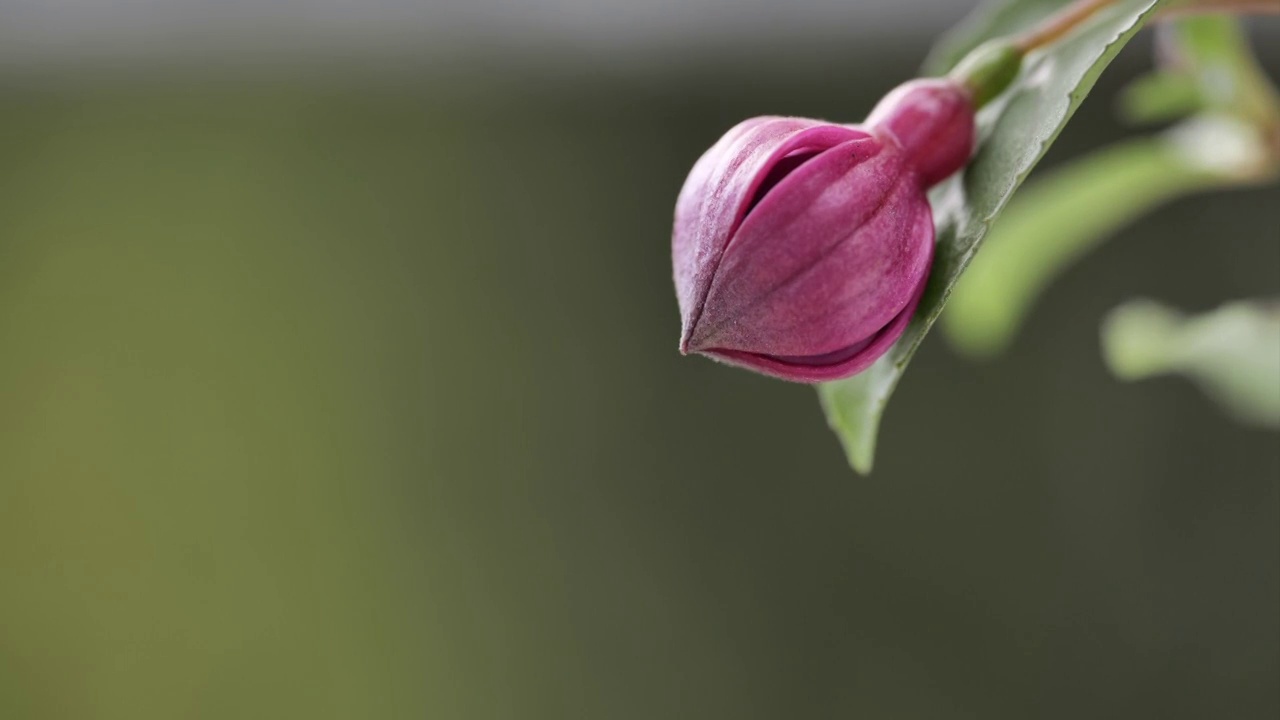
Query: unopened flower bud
pixel 933 120
pixel 801 248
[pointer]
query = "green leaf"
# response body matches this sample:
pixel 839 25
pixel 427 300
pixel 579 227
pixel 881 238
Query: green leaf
pixel 1233 353
pixel 1018 128
pixel 1060 217
pixel 1161 97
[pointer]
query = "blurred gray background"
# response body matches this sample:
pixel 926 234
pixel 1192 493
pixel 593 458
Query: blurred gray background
pixel 339 379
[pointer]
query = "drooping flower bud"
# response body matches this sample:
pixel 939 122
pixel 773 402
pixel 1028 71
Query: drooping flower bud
pixel 801 248
pixel 933 121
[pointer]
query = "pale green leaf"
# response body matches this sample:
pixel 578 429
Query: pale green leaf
pixel 1233 353
pixel 1161 97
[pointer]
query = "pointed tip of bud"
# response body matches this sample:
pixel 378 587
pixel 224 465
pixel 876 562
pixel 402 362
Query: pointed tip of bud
pixel 686 338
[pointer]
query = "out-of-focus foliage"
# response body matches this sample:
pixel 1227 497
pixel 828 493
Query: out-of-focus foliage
pixel 1206 67
pixel 347 395
pixel 1204 63
pixel 1054 221
pixel 1232 352
pixel 1160 97
pixel 1017 130
pixel 1060 218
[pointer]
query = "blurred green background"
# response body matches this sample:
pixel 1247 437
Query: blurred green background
pixel 356 394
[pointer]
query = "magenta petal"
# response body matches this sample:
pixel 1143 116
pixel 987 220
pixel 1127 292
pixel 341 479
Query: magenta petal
pixel 807 371
pixel 829 258
pixel 721 187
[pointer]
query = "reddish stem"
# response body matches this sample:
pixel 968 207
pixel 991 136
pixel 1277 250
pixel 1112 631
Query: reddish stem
pixel 1058 24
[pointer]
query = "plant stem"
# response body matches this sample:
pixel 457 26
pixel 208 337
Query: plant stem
pixel 989 68
pixel 1058 24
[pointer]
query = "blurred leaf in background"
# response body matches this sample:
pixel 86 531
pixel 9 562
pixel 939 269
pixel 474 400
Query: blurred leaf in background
pixel 1059 218
pixel 1206 68
pixel 1232 352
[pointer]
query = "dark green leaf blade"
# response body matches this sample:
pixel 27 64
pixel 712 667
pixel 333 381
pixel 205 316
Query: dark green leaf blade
pixel 1018 129
pixel 1056 220
pixel 1059 218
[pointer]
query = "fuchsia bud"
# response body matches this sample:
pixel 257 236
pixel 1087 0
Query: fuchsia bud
pixel 801 248
pixel 932 119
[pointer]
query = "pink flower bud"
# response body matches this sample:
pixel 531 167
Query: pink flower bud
pixel 932 119
pixel 802 248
